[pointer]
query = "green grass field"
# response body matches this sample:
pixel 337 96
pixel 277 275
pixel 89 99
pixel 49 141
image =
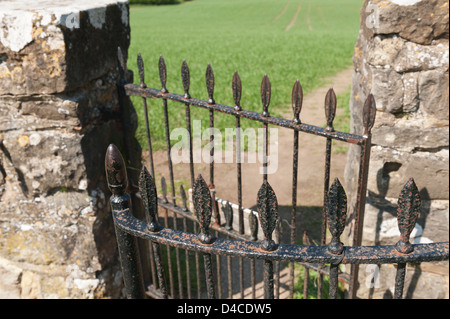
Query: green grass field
pixel 254 37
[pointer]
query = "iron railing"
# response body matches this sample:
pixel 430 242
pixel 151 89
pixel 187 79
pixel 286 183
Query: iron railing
pixel 236 243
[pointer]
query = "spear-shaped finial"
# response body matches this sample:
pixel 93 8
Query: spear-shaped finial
pixel 369 112
pixel 164 189
pixel 122 63
pixel 267 207
pixel 202 204
pixel 116 173
pixel 183 198
pixel 149 197
pixel 336 216
pixel 330 109
pixel 228 212
pixel 266 92
pixel 236 86
pixel 162 74
pixel 297 101
pixel 408 210
pixel 253 223
pixel 140 64
pixel 210 84
pixel 186 79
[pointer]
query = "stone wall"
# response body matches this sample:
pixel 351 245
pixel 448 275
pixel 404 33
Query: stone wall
pixel 59 110
pixel 401 57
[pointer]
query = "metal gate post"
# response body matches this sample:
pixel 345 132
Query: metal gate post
pixel 128 247
pixel 369 113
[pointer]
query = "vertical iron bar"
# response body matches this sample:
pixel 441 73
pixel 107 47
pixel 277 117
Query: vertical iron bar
pixel 297 103
pixel 268 279
pixel 324 211
pixel 334 270
pixel 201 196
pixel 169 157
pixel 306 241
pixel 306 283
pixel 149 196
pixel 211 169
pixel 253 279
pixel 191 155
pixel 360 207
pixel 294 210
pixel 140 64
pixel 172 184
pixel 241 277
pixel 153 266
pixel 399 280
pixel 267 207
pixel 236 87
pixel 330 112
pixel 178 262
pixel 209 276
pixel 265 151
pixel 197 268
pixel 188 268
pixel 131 265
pixel 169 257
pixel 239 175
pixel 219 274
pixel 133 158
pixel 160 269
pixel 128 246
pixel 211 149
pixel 369 114
pixel 230 276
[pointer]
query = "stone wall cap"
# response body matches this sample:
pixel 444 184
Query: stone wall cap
pixel 54 6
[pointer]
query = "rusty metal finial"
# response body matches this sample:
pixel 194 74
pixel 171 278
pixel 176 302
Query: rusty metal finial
pixel 297 101
pixel 147 189
pixel 183 198
pixel 265 95
pixel 253 223
pixel 185 78
pixel 369 113
pixel 202 203
pixel 122 63
pixel 236 86
pixel 140 64
pixel 164 189
pixel 408 210
pixel 330 109
pixel 228 212
pixel 336 216
pixel 267 207
pixel 162 74
pixel 210 84
pixel 116 173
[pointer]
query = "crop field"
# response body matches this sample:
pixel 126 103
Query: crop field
pixel 285 39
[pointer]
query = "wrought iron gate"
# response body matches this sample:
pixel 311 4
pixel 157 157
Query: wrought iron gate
pixel 220 239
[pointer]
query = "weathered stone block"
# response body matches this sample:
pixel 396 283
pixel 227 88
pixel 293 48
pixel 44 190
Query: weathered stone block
pixel 401 57
pixel 433 89
pixel 59 111
pixel 419 21
pixel 409 133
pixel 390 169
pixel 59 46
